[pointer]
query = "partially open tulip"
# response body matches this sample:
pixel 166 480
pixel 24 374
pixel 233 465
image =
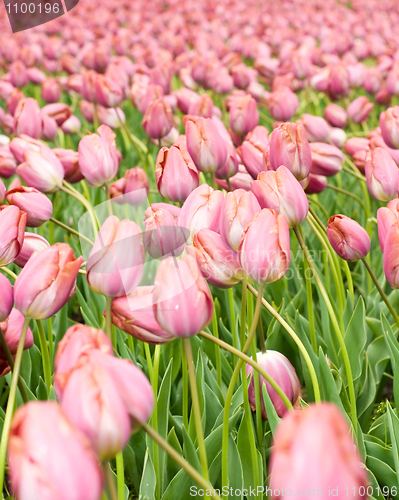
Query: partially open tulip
pixel 134 314
pixel 264 251
pixel 42 169
pixel 8 163
pixel 253 148
pixel 382 175
pixel 36 205
pixel 175 173
pixel 59 111
pixel 289 146
pixel 28 119
pixel 115 264
pixel 6 297
pixel 98 156
pixel 283 104
pixel 182 300
pixel 316 127
pixel 19 146
pixel 158 119
pixel 389 123
pixel 327 159
pixel 47 281
pixel 243 115
pixel 348 238
pixel 51 91
pixel 280 191
pixel 201 107
pixel 205 146
pixel 39 431
pixel 162 236
pixel 336 115
pixel 108 92
pixel 359 109
pixel 299 461
pixel 70 163
pixel 32 243
pixel 12 230
pixel 281 370
pixel 11 328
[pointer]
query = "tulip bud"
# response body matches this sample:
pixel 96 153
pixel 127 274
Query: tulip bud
pixel 28 119
pixel 59 112
pixel 47 281
pixel 98 156
pixel 339 84
pixel 299 458
pixel 49 128
pixel 158 119
pixel 201 210
pixel 202 107
pixel 253 148
pixel 70 163
pixel 338 137
pixel 133 188
pixel 316 184
pixel 316 127
pixel 359 109
pixel 327 159
pixel 39 431
pixel 264 251
pixel 373 80
pixel 243 115
pixel 6 298
pixel 336 115
pixel 382 175
pixel 182 300
pixel 391 255
pixel 386 218
pixel 108 92
pixel 88 89
pixel 51 91
pixel 175 173
pixel 290 147
pixel 13 100
pixel 12 228
pixel 12 328
pixel 356 144
pixel 18 74
pixel 72 125
pixel 41 170
pixel 281 192
pixel 350 241
pixel 134 314
pixel 32 243
pixel 281 370
pixel 162 237
pixel 8 163
pixel 283 104
pixel 35 204
pixel 389 123
pixel 115 264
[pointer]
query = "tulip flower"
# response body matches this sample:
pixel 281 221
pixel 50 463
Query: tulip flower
pixel 36 205
pixel 88 86
pixel 42 426
pixel 32 243
pixel 18 74
pixel 41 170
pixel 335 115
pixel 389 123
pixel 158 119
pixel 202 107
pixel 19 146
pixel 281 370
pixel 264 251
pixel 182 300
pixel 11 328
pixel 299 461
pixel 108 92
pixel 8 162
pixel 241 180
pixel 13 100
pixel 154 207
pixel 391 255
pixel 162 237
pixel 289 146
pixel 386 218
pixel 12 229
pixel 49 128
pixel 373 80
pixel 51 91
pixel 201 210
pixel 134 314
pixel 382 175
pixel 47 281
pixel 316 127
pixel 283 104
pixel 253 148
pixel 27 118
pixel 359 109
pixel 327 159
pixel 98 156
pixel 339 84
pixel 230 168
pixel 115 264
pixel 70 163
pixel 3 191
pixel 338 137
pixel 132 188
pixel 316 184
pixel 60 112
pixel 6 298
pixel 72 125
pixel 205 146
pixel 280 191
pixel 356 144
pixel 348 238
pixel 175 173
pixel 243 115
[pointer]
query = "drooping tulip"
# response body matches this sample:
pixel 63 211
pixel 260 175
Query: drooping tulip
pixel 12 230
pixel 316 184
pixel 70 163
pixel 316 127
pixel 382 175
pixel 59 111
pixel 348 238
pixel 327 159
pixel 36 205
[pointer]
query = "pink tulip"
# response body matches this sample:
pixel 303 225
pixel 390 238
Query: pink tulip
pixel 158 119
pixel 3 191
pixel 27 118
pixel 12 228
pixel 386 218
pixel 281 370
pixel 201 210
pixel 281 192
pixel 382 175
pixel 134 314
pixel 115 264
pixel 338 137
pixel 13 100
pixel 359 109
pixel 355 144
pixel 336 115
pixel 39 430
pixel 253 148
pixel 8 163
pixel 339 84
pixel 243 115
pixel 175 173
pixel 98 156
pixel 35 75
pixel 230 168
pixel 383 97
pixel 327 159
pixel 49 128
pixel 316 127
pixel 378 142
pixel 162 237
pixel 264 251
pixel 51 91
pixel 316 184
pixel 241 180
pixel 32 243
pixel 12 329
pixel 133 188
pixel 88 86
pixel 283 104
pixel 391 255
pixel 373 80
pixel 348 238
pixel 289 146
pixel 299 461
pixel 35 204
pixel 72 125
pixel 185 97
pixel 108 92
pixel 182 300
pixel 154 207
pixel 42 169
pixel 18 74
pixel 59 112
pixel 389 123
pixel 6 298
pixel 201 107
pixel 47 281
pixel 70 163
pixel 205 146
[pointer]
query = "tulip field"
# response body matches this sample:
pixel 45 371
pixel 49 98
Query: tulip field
pixel 199 249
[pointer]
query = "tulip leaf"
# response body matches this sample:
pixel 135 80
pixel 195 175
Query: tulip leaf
pixel 393 422
pixel 367 392
pixel 41 390
pixel 356 338
pixel 328 384
pixel 199 375
pixel 163 417
pixel 378 354
pixel 213 408
pixel 189 451
pixel 384 474
pixel 234 468
pixel 393 346
pixel 272 416
pixel 172 467
pixel 148 479
pixel 251 465
pixel 86 311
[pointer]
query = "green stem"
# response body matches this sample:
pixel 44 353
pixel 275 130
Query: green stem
pixel 10 361
pixel 45 355
pixel 108 318
pixel 230 391
pixel 109 477
pixel 120 476
pixel 108 197
pixel 243 312
pixel 215 331
pixel 196 408
pixel 50 342
pixel 154 421
pixel 72 231
pixel 85 203
pixel 185 385
pixel 233 323
pixel 348 193
pixel 11 402
pixel 180 461
pixel 309 298
pixel 9 272
pixel 258 402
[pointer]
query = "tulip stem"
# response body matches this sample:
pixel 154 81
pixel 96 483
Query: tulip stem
pixel 180 461
pixel 11 402
pixel 9 272
pixel 381 292
pixel 95 117
pixel 72 231
pixel 215 332
pixel 348 193
pixel 309 298
pixel 108 319
pixel 154 421
pixel 45 355
pixel 344 350
pixel 196 408
pixel 120 476
pixel 85 203
pixel 109 477
pixel 185 385
pixel 108 197
pixel 230 391
pixel 233 316
pixel 10 361
pixel 350 171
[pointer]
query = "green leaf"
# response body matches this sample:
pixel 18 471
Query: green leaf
pixel 41 390
pixel 355 338
pixel 367 391
pixel 234 468
pixel 393 346
pixel 393 422
pixel 163 417
pixel 172 468
pixel 328 385
pixel 189 451
pixel 148 480
pixel 272 416
pixel 251 465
